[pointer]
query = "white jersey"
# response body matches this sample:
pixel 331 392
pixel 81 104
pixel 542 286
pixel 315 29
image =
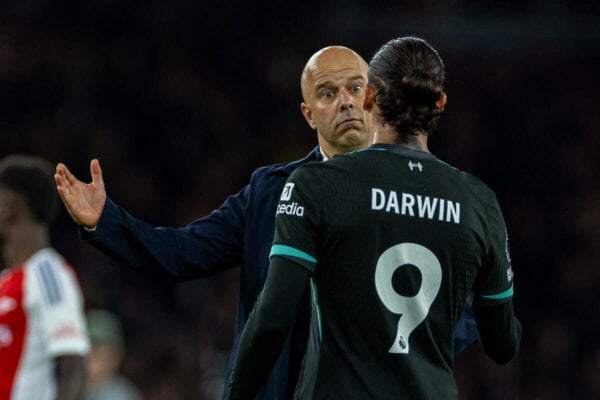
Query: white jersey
pixel 41 317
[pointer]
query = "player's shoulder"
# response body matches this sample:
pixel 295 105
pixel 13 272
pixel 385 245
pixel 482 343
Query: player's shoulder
pixel 322 169
pixel 466 179
pixel 45 256
pixel 48 264
pixel 478 190
pixel 272 178
pixel 49 272
pixel 477 184
pixel 337 168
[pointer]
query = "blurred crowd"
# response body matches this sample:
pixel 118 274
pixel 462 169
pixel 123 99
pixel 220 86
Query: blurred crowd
pixel 181 100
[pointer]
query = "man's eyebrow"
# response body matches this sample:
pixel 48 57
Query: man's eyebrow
pixel 330 83
pixel 323 85
pixel 357 77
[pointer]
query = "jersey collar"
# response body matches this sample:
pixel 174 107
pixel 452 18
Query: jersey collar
pixel 402 150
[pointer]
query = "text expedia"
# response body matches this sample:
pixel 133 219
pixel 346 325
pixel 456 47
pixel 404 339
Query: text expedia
pixel 290 209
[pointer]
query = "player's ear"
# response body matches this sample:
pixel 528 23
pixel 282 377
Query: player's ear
pixel 441 103
pixel 369 96
pixel 306 111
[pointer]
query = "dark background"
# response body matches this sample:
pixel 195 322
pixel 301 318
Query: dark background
pixel 181 100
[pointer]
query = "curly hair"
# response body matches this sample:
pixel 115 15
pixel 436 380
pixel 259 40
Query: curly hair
pixel 408 76
pixel 33 178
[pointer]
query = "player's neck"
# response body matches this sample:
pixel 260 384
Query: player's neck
pixel 414 142
pixel 23 242
pixel 387 134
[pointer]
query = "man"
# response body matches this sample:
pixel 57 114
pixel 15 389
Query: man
pixel 240 232
pixel 43 339
pixel 393 241
pixel 104 362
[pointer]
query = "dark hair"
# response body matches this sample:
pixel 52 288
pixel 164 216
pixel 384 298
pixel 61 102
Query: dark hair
pixel 32 178
pixel 408 76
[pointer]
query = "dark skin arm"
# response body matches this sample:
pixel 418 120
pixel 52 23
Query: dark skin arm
pixel 71 377
pixel 500 331
pixel 267 327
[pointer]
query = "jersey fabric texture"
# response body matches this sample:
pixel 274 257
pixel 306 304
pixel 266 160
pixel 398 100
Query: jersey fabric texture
pixel 41 317
pixel 238 233
pixel 396 241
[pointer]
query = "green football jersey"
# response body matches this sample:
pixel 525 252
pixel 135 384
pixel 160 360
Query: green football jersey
pixel 397 242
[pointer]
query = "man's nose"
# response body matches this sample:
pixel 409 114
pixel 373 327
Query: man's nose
pixel 346 101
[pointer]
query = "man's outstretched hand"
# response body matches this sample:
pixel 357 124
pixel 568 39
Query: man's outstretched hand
pixel 84 201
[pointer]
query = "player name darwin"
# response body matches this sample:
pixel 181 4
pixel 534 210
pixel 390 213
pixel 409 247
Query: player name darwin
pixel 415 205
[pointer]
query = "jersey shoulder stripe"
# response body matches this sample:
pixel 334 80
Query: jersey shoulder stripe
pixel 49 282
pixel 283 250
pixel 499 296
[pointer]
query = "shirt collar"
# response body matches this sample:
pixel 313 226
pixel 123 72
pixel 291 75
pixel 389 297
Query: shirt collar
pixel 402 150
pixel 323 155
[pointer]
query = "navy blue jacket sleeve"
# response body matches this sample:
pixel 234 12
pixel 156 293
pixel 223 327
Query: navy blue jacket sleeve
pixel 204 247
pixel 465 331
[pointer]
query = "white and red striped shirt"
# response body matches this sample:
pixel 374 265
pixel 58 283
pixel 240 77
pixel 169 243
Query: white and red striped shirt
pixel 41 317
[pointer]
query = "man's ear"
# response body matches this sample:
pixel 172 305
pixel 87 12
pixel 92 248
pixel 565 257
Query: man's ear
pixel 369 96
pixel 9 211
pixel 306 111
pixel 441 103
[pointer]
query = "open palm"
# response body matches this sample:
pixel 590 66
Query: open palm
pixel 84 201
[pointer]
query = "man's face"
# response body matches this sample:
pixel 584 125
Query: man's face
pixel 333 87
pixel 6 201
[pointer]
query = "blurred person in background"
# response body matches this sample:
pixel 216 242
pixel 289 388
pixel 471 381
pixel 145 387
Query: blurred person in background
pixel 240 232
pixel 393 242
pixel 43 337
pixel 105 381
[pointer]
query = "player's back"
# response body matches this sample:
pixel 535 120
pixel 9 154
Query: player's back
pixel 402 238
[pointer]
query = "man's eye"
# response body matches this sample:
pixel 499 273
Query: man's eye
pixel 356 88
pixel 327 94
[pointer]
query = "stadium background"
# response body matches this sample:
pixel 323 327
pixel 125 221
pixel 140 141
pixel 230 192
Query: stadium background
pixel 181 100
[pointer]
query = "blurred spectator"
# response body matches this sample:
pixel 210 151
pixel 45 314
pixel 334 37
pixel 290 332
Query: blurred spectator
pixel 43 339
pixel 105 381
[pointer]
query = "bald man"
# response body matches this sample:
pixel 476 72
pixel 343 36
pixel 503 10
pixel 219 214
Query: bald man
pixel 240 231
pixel 333 84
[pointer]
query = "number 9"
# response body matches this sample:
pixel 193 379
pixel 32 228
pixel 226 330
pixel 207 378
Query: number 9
pixel 413 309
